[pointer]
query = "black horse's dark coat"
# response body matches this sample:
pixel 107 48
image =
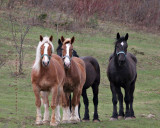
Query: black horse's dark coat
pixel 122 72
pixel 92 80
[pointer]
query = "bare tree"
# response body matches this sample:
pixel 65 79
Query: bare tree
pixel 19 32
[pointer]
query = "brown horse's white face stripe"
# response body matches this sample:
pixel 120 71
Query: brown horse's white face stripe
pixel 67 60
pixel 67 54
pixel 46 51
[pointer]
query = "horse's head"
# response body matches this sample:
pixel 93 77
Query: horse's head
pixel 46 50
pixel 59 49
pixel 121 48
pixel 67 50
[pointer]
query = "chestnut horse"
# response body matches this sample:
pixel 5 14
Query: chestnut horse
pixel 92 80
pixel 47 76
pixel 75 78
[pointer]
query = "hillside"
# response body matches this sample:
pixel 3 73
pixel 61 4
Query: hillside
pixel 17 101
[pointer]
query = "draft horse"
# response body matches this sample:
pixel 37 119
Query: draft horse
pixel 47 76
pixel 75 77
pixel 92 80
pixel 122 72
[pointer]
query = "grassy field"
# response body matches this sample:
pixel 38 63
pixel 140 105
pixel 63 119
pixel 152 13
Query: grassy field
pixel 17 102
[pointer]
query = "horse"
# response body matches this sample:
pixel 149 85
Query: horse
pixel 92 80
pixel 75 78
pixel 47 76
pixel 122 72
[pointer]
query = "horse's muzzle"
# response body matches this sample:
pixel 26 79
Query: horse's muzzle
pixel 45 64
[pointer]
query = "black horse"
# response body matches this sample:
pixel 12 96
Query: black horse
pixel 122 72
pixel 92 80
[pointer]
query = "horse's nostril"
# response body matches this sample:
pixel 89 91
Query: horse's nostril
pixel 48 63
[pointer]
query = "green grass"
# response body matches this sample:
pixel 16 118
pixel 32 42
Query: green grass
pixel 21 112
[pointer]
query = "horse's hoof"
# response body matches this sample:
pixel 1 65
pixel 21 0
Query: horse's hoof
pixel 96 120
pixel 39 122
pixel 120 117
pixel 133 117
pixel 46 121
pixel 85 120
pixel 74 121
pixel 53 124
pixel 128 118
pixel 113 119
pixel 65 121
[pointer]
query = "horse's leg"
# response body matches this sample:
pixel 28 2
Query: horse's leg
pixel 114 101
pixel 85 100
pixel 45 101
pixel 66 107
pixel 95 90
pixel 120 98
pixel 54 92
pixel 70 105
pixel 79 106
pixel 127 101
pixel 131 99
pixel 38 105
pixel 75 102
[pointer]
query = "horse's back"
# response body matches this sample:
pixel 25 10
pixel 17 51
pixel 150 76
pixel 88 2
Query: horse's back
pixel 132 57
pixel 92 71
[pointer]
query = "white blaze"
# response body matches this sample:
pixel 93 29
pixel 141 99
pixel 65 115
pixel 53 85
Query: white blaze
pixel 67 60
pixel 46 52
pixel 122 43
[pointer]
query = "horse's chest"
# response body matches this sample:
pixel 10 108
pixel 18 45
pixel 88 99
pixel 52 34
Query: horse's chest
pixel 69 85
pixel 45 84
pixel 120 77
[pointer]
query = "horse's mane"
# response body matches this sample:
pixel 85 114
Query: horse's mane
pixel 36 65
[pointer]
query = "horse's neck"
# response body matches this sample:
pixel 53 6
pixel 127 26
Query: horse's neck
pixel 44 70
pixel 69 72
pixel 116 62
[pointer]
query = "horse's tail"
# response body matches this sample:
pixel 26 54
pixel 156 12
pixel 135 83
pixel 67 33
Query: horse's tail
pixel 96 66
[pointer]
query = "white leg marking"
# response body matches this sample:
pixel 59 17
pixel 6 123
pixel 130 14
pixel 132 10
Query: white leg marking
pixel 66 115
pixel 75 117
pixel 39 116
pixel 57 114
pixel 46 113
pixel 76 111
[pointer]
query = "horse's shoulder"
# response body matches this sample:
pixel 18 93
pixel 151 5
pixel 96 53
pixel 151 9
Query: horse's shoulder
pixel 79 61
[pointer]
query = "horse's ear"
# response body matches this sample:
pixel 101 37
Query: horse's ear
pixel 62 39
pixel 72 40
pixel 126 36
pixel 51 38
pixel 41 37
pixel 59 42
pixel 118 35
